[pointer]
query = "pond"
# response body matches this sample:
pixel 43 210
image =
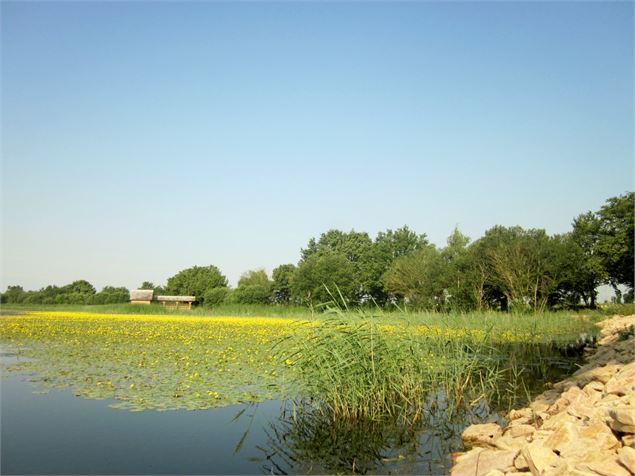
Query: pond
pixel 59 433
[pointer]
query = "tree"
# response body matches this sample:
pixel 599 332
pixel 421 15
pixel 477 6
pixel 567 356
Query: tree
pixel 356 248
pixel 254 287
pixel 616 237
pixel 419 279
pixel 282 281
pixel 13 295
pixel 590 267
pixel 322 274
pixel 518 263
pixel 215 296
pixel 111 295
pixel 457 271
pixel 388 246
pixel 196 281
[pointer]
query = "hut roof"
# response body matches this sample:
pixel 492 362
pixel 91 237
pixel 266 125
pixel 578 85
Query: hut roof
pixel 176 298
pixel 141 294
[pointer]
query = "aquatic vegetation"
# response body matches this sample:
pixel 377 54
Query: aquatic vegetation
pixel 149 361
pixel 358 365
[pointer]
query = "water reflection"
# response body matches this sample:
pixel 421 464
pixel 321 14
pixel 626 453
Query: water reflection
pixel 304 439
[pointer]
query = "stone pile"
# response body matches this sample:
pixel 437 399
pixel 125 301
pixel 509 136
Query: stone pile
pixel 583 426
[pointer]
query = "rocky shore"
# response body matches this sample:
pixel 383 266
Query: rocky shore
pixel 583 426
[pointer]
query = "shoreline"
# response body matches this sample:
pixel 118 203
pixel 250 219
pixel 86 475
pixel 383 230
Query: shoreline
pixel 584 425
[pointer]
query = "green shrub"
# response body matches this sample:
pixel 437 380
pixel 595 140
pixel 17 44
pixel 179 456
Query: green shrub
pixel 215 296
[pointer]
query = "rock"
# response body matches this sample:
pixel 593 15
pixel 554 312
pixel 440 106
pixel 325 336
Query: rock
pixel 495 472
pixel 522 413
pixel 520 463
pixel 624 415
pixel 480 462
pixel 621 428
pixel 540 458
pixel 593 373
pixel 520 430
pixel 609 466
pixel 622 382
pixel 626 456
pixel 558 420
pixel 581 443
pixel 628 440
pixel 482 435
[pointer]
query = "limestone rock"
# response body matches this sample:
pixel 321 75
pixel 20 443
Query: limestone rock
pixel 607 467
pixel 621 428
pixel 480 462
pixel 521 463
pixel 624 415
pixel 540 458
pixel 626 456
pixel 482 435
pixel 576 443
pixel 520 430
pixel 628 440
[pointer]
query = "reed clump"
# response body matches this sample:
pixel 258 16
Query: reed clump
pixel 353 367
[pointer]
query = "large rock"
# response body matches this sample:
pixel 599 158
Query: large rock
pixel 480 462
pixel 482 435
pixel 623 382
pixel 624 415
pixel 626 456
pixel 539 458
pixel 608 466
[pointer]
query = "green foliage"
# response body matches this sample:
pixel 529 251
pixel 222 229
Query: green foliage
pixel 418 279
pixel 196 281
pixel 215 296
pixel 320 272
pixel 254 287
pixel 283 277
pixel 616 241
pixel 111 295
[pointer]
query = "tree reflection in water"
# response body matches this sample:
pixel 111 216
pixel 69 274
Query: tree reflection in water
pixel 306 440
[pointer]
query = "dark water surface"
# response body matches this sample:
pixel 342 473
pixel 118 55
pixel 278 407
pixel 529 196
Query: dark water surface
pixel 59 433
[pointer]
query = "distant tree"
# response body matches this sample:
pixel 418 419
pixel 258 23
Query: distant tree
pixel 196 281
pixel 518 262
pixel 147 285
pixel 356 248
pixel 388 246
pixel 419 279
pixel 457 272
pixel 616 242
pixel 13 295
pixel 111 295
pixel 282 281
pixel 215 296
pixel 321 273
pixel 254 287
pixel 80 287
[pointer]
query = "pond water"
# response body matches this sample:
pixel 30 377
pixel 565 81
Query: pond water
pixel 59 433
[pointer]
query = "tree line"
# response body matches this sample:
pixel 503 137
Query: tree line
pixel 509 268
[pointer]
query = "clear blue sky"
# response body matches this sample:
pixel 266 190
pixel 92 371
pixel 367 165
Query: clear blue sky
pixel 142 138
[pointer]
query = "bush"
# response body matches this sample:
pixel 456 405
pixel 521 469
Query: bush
pixel 215 296
pixel 253 294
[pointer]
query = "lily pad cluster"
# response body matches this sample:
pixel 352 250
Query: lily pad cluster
pixel 150 362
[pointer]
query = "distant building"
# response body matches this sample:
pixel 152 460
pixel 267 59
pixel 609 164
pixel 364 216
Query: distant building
pixel 146 296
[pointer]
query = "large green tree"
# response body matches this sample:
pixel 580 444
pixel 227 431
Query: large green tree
pixel 283 277
pixel 615 244
pixel 254 287
pixel 419 279
pixel 196 281
pixel 322 277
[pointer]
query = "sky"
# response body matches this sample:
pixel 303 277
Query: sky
pixel 142 138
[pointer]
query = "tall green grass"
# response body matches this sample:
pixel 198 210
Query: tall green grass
pixel 366 365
